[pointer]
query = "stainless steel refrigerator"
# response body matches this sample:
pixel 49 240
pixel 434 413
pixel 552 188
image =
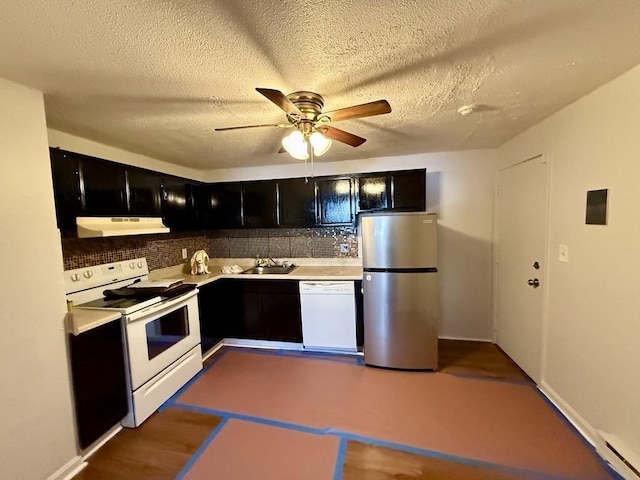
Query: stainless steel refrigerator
pixel 400 287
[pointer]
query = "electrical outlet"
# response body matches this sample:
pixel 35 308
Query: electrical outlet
pixel 344 248
pixel 563 253
pixel 184 253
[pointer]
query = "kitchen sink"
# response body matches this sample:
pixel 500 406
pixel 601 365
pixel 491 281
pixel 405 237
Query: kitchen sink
pixel 273 269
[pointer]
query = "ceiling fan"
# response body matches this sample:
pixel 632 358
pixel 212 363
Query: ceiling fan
pixel 312 132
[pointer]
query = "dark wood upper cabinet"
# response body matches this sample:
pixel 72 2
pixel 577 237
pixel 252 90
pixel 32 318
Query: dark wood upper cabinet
pixel 373 192
pixel 335 201
pixel 103 187
pixel 297 202
pixel 175 203
pixel 224 202
pixel 260 204
pixel 402 190
pixel 144 192
pixel 184 204
pixel 408 190
pixel 197 204
pixel 66 189
pixel 88 186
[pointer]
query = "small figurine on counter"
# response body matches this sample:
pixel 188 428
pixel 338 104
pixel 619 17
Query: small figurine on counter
pixel 200 263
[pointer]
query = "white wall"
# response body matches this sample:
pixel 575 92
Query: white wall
pixel 37 434
pixel 460 191
pixel 73 143
pixel 593 327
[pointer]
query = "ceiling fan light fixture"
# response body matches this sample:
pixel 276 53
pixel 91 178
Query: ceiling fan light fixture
pixel 296 146
pixel 320 143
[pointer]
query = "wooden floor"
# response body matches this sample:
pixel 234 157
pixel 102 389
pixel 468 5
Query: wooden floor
pixel 157 450
pixel 165 442
pixel 482 359
pixel 369 462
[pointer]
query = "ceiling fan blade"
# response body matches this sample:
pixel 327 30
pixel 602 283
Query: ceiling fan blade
pixel 277 125
pixel 342 136
pixel 280 99
pixel 360 111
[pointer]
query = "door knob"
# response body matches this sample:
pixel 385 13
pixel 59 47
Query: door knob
pixel 534 282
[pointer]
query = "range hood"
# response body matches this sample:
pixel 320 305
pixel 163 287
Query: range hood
pixel 91 227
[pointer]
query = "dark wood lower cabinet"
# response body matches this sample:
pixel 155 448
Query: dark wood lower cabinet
pixel 99 384
pixel 257 310
pixel 271 310
pixel 249 309
pixel 220 307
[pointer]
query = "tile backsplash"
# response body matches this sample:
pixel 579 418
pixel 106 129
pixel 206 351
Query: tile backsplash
pixel 283 243
pixel 164 250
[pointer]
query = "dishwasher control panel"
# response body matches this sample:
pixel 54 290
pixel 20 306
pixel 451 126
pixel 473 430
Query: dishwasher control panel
pixel 327 287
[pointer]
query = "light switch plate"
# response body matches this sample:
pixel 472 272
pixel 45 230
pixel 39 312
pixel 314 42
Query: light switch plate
pixel 184 253
pixel 563 253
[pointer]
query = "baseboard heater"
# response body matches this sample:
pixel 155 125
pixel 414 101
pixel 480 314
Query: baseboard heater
pixel 613 444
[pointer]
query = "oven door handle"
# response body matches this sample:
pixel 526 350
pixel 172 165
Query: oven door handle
pixel 161 308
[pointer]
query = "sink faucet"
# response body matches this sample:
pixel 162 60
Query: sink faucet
pixel 275 264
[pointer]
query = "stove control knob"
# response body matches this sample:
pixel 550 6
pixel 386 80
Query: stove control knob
pixel 75 277
pixel 132 265
pixel 140 264
pixel 88 274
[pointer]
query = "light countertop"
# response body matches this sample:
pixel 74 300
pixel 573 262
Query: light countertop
pixel 82 320
pixel 339 269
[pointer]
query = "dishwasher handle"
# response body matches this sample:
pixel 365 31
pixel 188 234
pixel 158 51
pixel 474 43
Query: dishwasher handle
pixel 327 287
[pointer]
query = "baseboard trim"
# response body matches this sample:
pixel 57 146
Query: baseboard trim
pixel 589 433
pixel 69 470
pixel 236 342
pixel 95 446
pixel 467 339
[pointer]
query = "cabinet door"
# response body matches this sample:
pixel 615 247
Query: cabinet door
pixel 66 189
pixel 373 192
pixel 260 204
pixel 99 385
pixel 224 203
pixel 335 201
pixel 297 202
pixel 145 198
pixel 103 186
pixel 271 310
pixel 408 190
pixel 175 208
pixel 220 308
pixel 281 314
pixel 199 215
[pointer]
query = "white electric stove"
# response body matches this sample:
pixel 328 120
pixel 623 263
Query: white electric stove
pixel 161 335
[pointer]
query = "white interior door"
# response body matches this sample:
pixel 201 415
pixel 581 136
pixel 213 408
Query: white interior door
pixel 522 218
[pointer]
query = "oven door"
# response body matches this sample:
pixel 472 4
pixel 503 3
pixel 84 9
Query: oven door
pixel 159 335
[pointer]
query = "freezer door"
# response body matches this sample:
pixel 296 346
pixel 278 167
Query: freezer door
pixel 401 320
pixel 399 240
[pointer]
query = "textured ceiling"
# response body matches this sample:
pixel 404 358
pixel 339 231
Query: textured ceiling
pixel 157 76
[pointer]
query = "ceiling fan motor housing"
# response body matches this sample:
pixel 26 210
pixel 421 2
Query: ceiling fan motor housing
pixel 309 103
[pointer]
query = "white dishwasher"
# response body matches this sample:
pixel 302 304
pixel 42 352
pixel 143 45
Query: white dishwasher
pixel 328 315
